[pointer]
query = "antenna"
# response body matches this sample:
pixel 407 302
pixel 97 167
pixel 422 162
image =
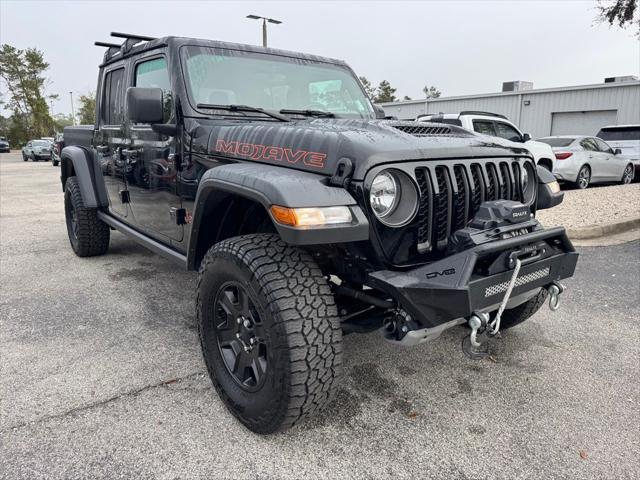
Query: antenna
pixel 132 36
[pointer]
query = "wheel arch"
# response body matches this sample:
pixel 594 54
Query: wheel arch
pixel 79 162
pixel 247 191
pixel 547 163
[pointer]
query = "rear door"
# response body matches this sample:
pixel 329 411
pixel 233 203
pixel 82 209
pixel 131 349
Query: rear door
pixel 151 179
pixel 110 138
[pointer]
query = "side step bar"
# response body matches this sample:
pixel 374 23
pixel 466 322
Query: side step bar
pixel 144 240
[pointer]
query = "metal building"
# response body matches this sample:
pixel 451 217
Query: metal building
pixel 552 111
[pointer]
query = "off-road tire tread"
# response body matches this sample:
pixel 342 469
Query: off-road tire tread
pixel 299 297
pixel 517 315
pixel 93 233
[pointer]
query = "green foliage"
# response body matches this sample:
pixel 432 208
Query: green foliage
pixel 621 12
pixel 61 120
pixel 87 112
pixel 385 93
pixel 368 88
pixel 22 72
pixel 431 92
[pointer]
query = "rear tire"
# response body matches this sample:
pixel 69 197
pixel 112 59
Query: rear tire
pixel 517 315
pixel 88 235
pixel 290 321
pixel 584 177
pixel 55 163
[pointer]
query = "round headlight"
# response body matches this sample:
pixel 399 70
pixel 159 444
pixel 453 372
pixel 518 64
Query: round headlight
pixel 394 198
pixel 527 183
pixel 384 194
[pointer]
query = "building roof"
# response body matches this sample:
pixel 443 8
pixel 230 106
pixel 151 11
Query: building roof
pixel 521 92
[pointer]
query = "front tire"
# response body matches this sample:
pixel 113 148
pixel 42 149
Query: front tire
pixel 584 177
pixel 88 235
pixel 269 331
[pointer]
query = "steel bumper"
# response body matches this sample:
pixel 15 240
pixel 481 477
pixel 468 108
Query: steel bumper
pixel 454 287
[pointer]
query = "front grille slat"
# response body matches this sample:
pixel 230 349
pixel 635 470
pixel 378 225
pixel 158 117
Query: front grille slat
pixel 451 194
pixel 425 210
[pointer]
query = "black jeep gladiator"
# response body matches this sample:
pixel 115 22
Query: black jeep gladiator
pixel 306 213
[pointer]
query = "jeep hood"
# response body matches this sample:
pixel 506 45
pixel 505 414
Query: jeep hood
pixel 317 145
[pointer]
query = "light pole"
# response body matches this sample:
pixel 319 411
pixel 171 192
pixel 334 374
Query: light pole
pixel 264 26
pixel 73 113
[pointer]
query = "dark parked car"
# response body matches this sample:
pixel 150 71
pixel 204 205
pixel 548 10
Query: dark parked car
pixel 306 214
pixel 4 145
pixel 56 149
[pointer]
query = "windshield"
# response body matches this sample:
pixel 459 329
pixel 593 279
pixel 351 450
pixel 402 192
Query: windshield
pixel 229 77
pixel 557 142
pixel 41 143
pixel 619 133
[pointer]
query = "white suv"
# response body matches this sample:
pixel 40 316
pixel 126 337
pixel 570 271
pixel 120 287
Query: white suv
pixel 626 138
pixel 496 126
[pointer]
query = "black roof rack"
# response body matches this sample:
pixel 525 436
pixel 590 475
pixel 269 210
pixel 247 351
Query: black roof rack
pixel 105 44
pixel 132 36
pixel 123 50
pixel 488 114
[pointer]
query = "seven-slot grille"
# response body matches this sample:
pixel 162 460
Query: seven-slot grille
pixel 450 195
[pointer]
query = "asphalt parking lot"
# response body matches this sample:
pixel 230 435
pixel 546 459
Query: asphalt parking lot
pixel 101 375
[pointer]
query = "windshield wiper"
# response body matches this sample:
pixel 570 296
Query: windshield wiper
pixel 308 113
pixel 243 108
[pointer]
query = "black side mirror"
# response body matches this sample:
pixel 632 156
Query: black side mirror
pixel 617 151
pixel 144 105
pixel 526 137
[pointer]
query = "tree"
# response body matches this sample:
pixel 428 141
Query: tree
pixel 87 111
pixel 368 88
pixel 63 120
pixel 620 12
pixel 22 71
pixel 431 92
pixel 385 93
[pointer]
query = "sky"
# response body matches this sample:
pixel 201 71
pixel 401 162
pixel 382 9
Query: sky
pixel 462 47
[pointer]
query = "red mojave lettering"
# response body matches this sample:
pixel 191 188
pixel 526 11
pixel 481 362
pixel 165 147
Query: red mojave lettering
pixel 271 153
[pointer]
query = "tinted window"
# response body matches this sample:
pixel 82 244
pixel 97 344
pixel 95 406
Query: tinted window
pixel 505 130
pixel 602 146
pixel 589 144
pixel 155 74
pixel 557 142
pixel 484 127
pixel 619 133
pixel 113 97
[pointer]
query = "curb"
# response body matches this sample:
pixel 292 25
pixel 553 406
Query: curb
pixel 596 231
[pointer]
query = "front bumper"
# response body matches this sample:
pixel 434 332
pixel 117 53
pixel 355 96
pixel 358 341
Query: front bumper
pixel 459 285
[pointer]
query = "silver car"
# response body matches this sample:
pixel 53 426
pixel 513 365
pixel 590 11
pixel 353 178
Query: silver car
pixel 37 150
pixel 584 160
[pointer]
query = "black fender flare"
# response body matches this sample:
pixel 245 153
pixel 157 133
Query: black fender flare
pixel 80 162
pixel 271 185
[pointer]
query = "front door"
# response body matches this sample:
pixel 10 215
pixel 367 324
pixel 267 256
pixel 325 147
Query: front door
pixel 110 139
pixel 612 165
pixel 151 177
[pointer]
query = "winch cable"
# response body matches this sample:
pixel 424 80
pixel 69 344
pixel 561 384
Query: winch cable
pixel 494 327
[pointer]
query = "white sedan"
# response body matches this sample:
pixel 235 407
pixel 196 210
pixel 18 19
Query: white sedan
pixel 584 160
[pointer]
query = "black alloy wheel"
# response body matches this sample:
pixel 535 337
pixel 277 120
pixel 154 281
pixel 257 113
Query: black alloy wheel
pixel 240 336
